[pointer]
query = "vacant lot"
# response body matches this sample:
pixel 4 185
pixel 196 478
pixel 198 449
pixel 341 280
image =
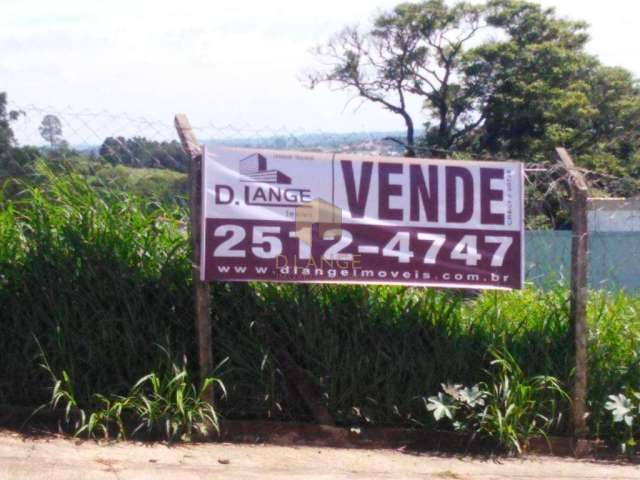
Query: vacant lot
pixel 58 458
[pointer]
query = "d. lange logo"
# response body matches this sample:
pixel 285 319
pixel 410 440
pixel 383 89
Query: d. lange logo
pixel 269 187
pixel 264 187
pixel 307 212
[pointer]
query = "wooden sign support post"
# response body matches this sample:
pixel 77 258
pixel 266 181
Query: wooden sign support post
pixel 202 291
pixel 579 263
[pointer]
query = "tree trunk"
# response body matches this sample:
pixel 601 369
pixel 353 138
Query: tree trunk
pixel 443 130
pixel 410 149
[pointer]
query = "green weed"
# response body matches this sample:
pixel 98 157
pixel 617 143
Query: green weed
pixel 163 404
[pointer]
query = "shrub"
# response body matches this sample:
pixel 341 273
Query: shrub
pixel 509 409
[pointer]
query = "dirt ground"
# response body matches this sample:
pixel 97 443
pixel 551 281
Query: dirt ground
pixel 54 458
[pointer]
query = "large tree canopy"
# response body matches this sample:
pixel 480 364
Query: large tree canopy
pixel 506 78
pixel 416 49
pixel 548 91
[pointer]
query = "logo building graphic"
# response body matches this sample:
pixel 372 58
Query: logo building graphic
pixel 254 167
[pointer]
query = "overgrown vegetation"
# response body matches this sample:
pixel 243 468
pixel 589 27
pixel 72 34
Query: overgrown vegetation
pixel 101 277
pixel 163 186
pixel 96 276
pixel 509 409
pixel 159 405
pixel 142 152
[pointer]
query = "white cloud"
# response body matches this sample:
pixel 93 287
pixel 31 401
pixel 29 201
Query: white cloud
pixel 231 62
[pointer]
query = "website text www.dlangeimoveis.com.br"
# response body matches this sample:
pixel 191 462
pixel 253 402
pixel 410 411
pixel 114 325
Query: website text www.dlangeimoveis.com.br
pixel 302 273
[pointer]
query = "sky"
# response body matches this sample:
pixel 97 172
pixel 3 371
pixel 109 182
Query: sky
pixel 230 62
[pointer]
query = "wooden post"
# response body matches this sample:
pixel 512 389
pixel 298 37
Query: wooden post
pixel 202 291
pixel 579 263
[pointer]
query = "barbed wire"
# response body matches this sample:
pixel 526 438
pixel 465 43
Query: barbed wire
pixel 139 141
pixel 87 129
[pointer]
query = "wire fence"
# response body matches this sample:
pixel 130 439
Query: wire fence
pixel 139 142
pixel 86 129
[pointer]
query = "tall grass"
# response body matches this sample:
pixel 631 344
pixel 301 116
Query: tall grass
pixel 101 277
pixel 162 404
pixel 377 350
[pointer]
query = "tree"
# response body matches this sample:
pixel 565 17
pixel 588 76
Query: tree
pixel 537 72
pixel 51 130
pixel 13 160
pixel 611 144
pixel 6 134
pixel 548 91
pixel 142 152
pixel 416 49
pixel 506 78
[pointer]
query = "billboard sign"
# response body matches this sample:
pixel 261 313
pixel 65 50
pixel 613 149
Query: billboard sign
pixel 283 216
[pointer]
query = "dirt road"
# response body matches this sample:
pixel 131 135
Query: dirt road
pixel 58 458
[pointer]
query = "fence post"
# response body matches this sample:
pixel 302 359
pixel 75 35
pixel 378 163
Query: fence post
pixel 202 291
pixel 579 264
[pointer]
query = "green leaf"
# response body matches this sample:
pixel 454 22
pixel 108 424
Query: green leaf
pixel 620 407
pixel 472 396
pixel 441 406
